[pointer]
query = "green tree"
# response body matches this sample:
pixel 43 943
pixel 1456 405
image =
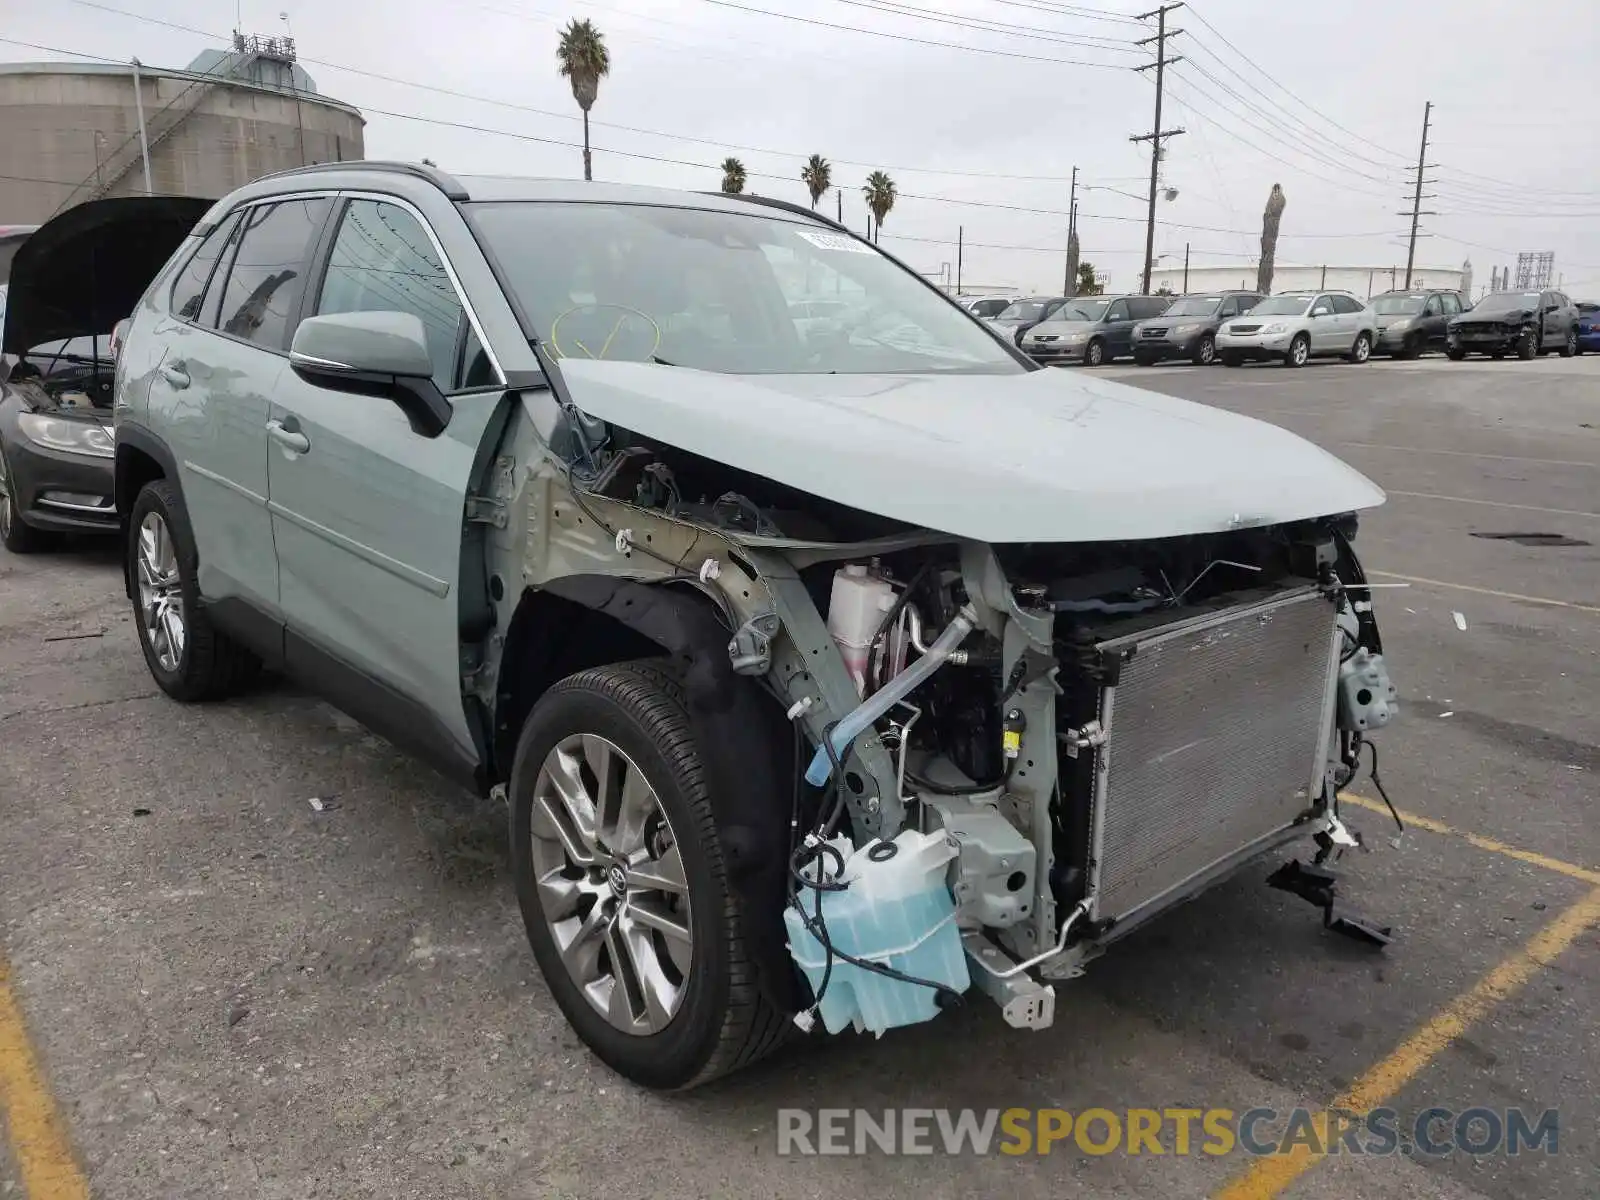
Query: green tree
pixel 733 176
pixel 1270 220
pixel 584 59
pixel 880 194
pixel 817 175
pixel 1087 284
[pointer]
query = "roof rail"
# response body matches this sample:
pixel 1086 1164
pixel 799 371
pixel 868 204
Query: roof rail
pixel 445 182
pixel 786 205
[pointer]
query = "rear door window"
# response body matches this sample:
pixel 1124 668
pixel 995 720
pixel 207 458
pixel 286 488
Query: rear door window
pixel 267 277
pixel 189 288
pixel 1345 304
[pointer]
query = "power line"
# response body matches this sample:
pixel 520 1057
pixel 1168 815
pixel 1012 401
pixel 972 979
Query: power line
pixel 902 37
pixel 1032 33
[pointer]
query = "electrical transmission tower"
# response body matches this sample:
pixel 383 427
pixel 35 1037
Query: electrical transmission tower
pixel 1157 135
pixel 1534 268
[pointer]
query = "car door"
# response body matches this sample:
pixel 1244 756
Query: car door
pixel 225 346
pixel 367 514
pixel 1449 306
pixel 1117 329
pixel 1322 324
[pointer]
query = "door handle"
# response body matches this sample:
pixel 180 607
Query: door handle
pixel 176 375
pixel 289 439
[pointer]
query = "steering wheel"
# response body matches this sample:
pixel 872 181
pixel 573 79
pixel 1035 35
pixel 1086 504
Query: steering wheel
pixel 630 318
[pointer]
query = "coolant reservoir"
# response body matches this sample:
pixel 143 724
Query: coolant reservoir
pixel 895 910
pixel 855 607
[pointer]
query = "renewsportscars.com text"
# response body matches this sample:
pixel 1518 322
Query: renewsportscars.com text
pixel 1163 1131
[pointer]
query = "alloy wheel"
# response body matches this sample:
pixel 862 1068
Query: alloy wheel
pixel 1208 351
pixel 1299 351
pixel 611 883
pixel 1363 349
pixel 160 592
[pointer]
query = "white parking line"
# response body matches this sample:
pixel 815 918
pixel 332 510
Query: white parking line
pixel 1543 462
pixel 1555 512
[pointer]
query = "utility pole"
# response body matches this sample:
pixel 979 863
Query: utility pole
pixel 1069 286
pixel 838 195
pixel 1157 135
pixel 1186 268
pixel 1416 196
pixel 144 141
pixel 961 240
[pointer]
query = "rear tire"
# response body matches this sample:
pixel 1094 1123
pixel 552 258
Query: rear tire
pixel 1570 346
pixel 1362 350
pixel 1145 359
pixel 1232 358
pixel 1410 348
pixel 189 658
pixel 16 535
pixel 1455 355
pixel 1205 353
pixel 718 1018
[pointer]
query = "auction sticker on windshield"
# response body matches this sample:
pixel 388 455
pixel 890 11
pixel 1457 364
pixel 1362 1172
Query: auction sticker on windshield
pixel 834 241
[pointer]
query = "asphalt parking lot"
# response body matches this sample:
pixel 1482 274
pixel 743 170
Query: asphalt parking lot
pixel 226 991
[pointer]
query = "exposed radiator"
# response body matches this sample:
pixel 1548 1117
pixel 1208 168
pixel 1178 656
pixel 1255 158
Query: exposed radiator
pixel 1216 738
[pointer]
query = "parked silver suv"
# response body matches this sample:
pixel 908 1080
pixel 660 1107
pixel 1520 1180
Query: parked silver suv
pixel 1294 327
pixel 545 482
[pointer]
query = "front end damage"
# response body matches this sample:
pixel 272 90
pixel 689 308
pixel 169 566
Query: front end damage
pixel 1101 730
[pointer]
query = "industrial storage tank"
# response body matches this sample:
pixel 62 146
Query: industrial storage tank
pixel 70 132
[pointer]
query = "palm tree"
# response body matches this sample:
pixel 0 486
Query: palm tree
pixel 733 176
pixel 1269 239
pixel 817 175
pixel 1087 284
pixel 584 59
pixel 880 194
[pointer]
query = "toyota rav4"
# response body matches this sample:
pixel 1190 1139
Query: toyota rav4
pixel 544 481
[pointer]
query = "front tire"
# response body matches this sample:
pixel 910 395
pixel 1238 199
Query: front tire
pixel 1362 350
pixel 16 535
pixel 1528 346
pixel 1299 351
pixel 623 883
pixel 1206 352
pixel 189 658
pixel 1094 354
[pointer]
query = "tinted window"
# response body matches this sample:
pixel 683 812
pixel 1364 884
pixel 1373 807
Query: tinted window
pixel 1345 304
pixel 384 261
pixel 1151 306
pixel 268 274
pixel 1118 311
pixel 190 285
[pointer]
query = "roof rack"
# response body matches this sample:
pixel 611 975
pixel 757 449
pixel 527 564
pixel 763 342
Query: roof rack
pixel 445 182
pixel 786 205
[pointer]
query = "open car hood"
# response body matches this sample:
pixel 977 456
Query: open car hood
pixel 1045 456
pixel 83 271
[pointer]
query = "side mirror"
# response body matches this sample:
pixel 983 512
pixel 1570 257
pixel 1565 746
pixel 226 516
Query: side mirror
pixel 1319 311
pixel 373 354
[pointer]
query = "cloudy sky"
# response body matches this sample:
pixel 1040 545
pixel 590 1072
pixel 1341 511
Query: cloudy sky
pixel 979 109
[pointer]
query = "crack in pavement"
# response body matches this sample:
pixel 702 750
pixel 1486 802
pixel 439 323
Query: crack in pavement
pixel 46 712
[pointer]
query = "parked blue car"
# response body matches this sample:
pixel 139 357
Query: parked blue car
pixel 1588 327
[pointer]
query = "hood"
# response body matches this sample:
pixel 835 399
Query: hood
pixel 82 272
pixel 1043 456
pixel 1501 316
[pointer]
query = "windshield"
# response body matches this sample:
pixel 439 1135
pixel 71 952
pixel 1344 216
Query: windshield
pixel 1394 306
pixel 1194 306
pixel 723 292
pixel 1022 310
pixel 1507 302
pixel 1281 306
pixel 1081 310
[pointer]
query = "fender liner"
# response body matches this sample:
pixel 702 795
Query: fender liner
pixel 139 438
pixel 746 746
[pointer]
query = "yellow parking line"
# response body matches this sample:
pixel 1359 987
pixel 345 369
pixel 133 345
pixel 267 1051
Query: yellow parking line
pixel 1268 1177
pixel 38 1137
pixel 1483 591
pixel 1413 820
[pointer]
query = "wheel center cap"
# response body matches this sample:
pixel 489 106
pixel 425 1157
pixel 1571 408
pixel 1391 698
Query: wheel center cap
pixel 617 877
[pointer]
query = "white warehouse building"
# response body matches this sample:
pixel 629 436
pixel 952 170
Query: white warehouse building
pixel 1363 281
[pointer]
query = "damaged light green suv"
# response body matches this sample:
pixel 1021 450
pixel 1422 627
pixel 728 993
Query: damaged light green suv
pixel 748 618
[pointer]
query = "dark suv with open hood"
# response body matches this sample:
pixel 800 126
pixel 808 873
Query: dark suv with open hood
pixel 70 282
pixel 1527 324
